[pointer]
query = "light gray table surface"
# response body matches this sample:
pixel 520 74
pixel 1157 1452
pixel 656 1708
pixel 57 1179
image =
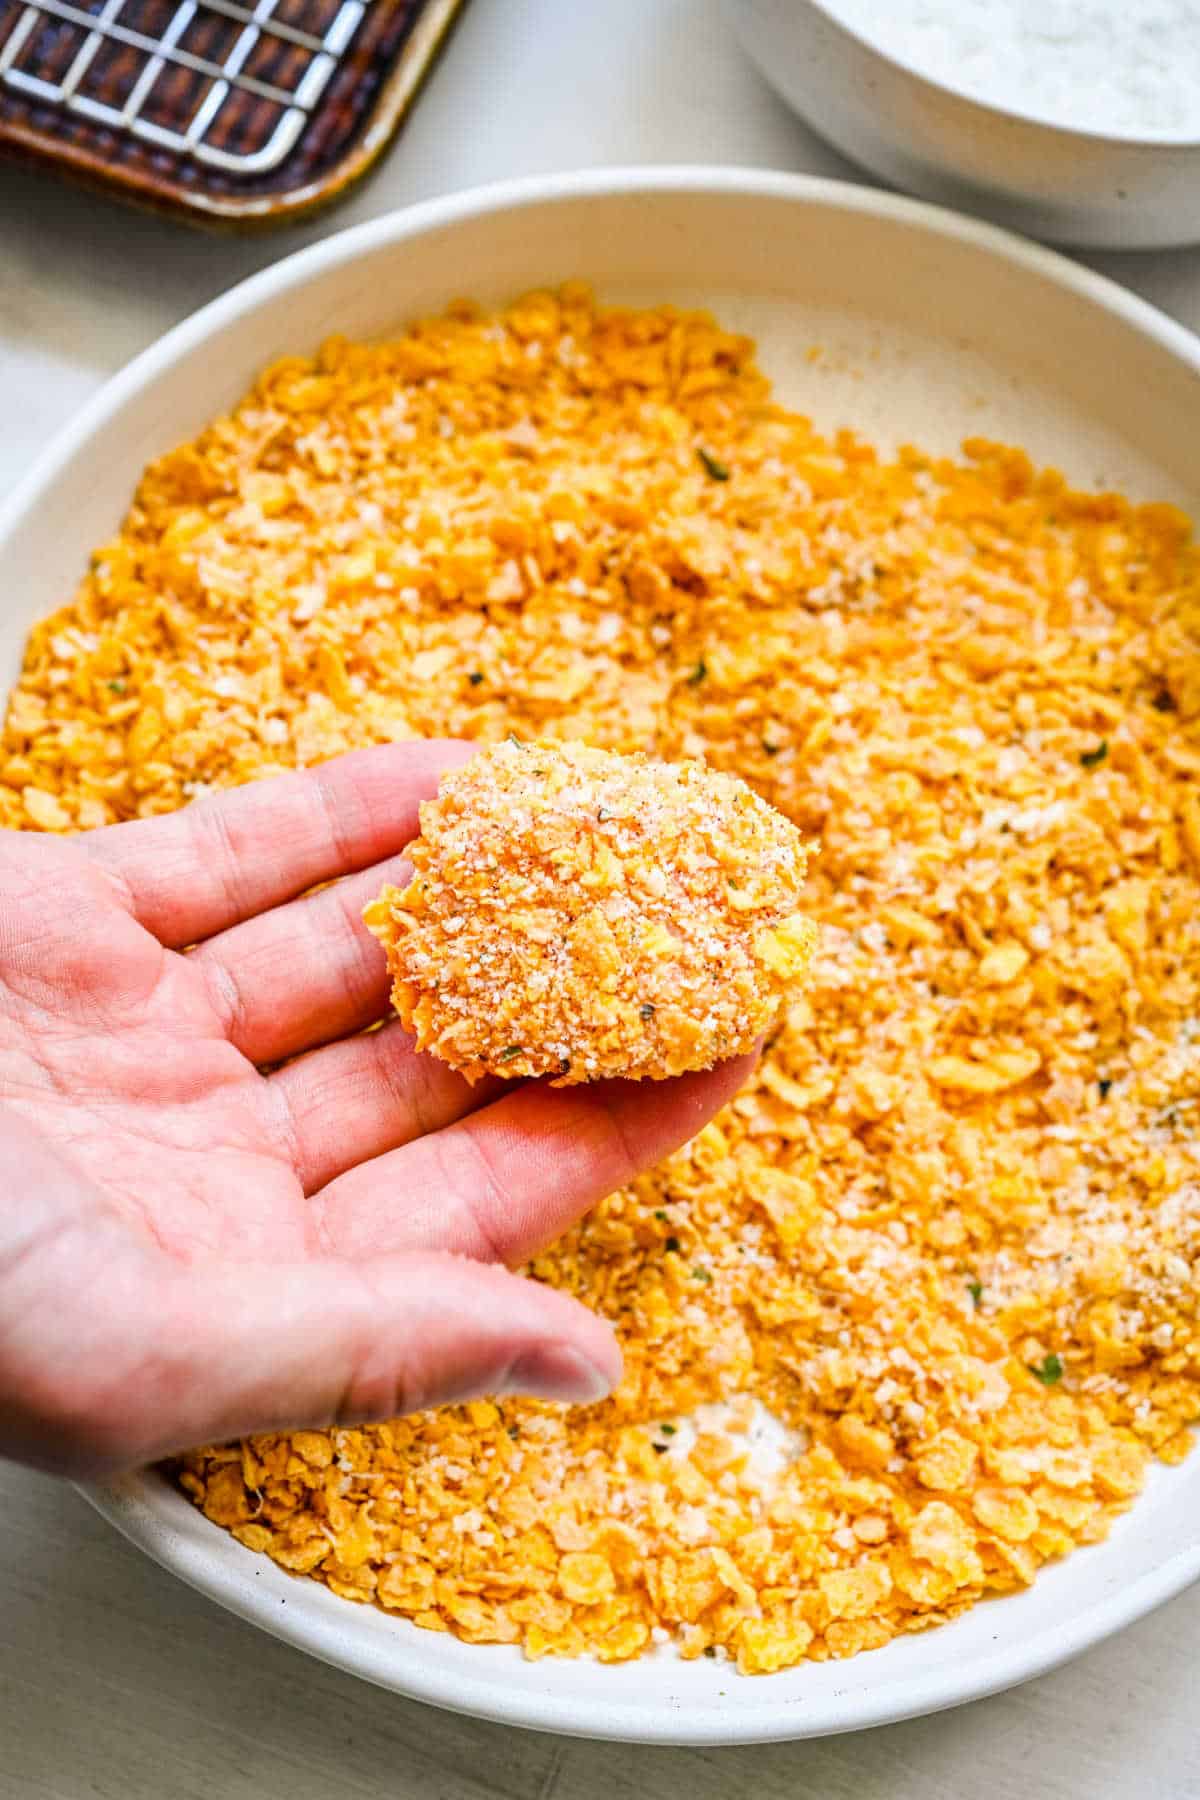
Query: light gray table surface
pixel 116 1682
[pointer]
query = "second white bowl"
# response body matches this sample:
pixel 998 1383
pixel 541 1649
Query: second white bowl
pixel 1070 187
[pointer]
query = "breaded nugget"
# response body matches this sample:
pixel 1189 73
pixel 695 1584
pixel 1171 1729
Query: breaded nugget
pixel 579 914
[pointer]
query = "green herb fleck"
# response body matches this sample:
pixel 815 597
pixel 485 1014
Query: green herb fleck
pixel 647 1009
pixel 514 1431
pixel 1091 758
pixel 1105 1086
pixel 475 677
pixel 710 1650
pixel 507 1055
pixel 771 749
pixel 975 1289
pixel 660 1214
pixel 1049 1370
pixel 713 466
pixel 699 1274
pixel 512 738
pixel 698 673
pixel 658 1449
pixel 667 1430
pixel 673 1243
pixel 117 686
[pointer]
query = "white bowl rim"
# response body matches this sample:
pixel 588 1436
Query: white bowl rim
pixel 622 179
pixel 127 1504
pixel 1112 140
pixel 490 1697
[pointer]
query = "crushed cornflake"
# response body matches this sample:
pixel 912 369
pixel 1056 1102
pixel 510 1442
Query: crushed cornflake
pixel 994 1089
pixel 581 914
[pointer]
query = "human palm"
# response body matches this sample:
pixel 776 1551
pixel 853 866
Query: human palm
pixel 230 1207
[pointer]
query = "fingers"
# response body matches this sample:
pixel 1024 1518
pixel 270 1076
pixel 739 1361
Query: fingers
pixel 247 1348
pixel 301 974
pixel 112 1353
pixel 354 1100
pixel 228 857
pixel 511 1177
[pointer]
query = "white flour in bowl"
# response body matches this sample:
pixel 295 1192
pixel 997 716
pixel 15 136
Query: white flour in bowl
pixel 1125 68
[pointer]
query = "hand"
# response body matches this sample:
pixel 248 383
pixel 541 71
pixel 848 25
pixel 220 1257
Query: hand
pixel 191 1249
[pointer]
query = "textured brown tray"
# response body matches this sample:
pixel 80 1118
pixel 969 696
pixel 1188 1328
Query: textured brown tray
pixel 236 112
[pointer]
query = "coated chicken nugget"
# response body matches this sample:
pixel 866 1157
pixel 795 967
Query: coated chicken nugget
pixel 582 914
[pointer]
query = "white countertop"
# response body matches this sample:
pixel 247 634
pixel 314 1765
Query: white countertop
pixel 116 1682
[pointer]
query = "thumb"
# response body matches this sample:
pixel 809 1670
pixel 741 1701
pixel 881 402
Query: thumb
pixel 348 1341
pixel 247 1348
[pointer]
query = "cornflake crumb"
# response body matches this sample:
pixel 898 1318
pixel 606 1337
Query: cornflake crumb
pixel 581 914
pixel 907 658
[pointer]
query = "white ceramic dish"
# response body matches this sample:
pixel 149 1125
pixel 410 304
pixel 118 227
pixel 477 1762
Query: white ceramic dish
pixel 931 326
pixel 1070 187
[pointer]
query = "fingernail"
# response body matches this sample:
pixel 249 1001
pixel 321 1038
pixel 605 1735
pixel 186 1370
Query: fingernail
pixel 558 1372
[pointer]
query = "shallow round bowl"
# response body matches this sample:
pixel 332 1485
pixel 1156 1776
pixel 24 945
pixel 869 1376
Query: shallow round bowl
pixel 880 313
pixel 1070 187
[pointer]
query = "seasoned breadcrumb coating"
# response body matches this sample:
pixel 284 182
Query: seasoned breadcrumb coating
pixel 949 1235
pixel 581 914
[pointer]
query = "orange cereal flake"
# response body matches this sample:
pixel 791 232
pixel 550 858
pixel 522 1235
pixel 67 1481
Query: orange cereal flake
pixel 578 913
pixel 948 1237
